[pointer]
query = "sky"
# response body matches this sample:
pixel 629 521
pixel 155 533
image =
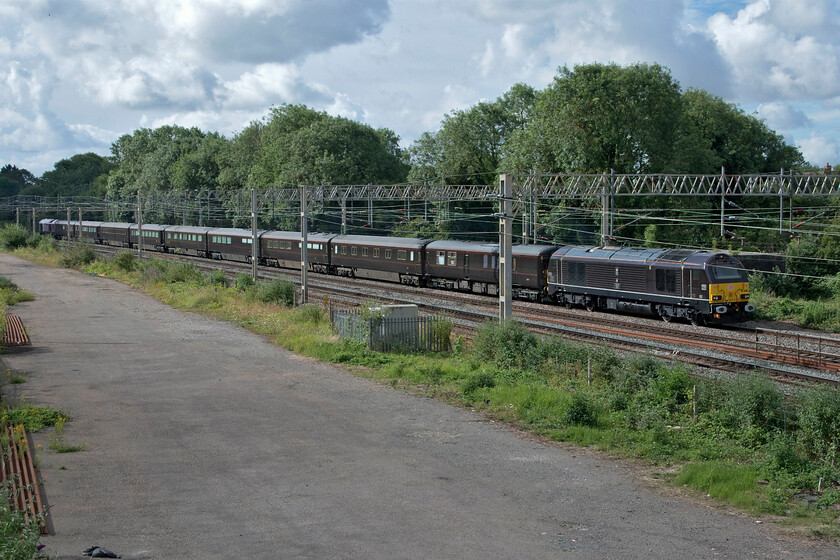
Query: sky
pixel 75 75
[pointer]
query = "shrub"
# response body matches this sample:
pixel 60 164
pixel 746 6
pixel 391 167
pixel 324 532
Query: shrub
pixel 18 537
pixel 171 272
pixel 276 291
pixel 311 313
pixel 439 331
pixel 13 236
pixel 217 278
pixel 506 344
pixel 479 380
pixel 244 282
pixel 79 254
pixel 581 411
pixel 125 260
pixel 750 408
pixel 819 424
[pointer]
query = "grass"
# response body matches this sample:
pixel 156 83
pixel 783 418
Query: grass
pixel 748 445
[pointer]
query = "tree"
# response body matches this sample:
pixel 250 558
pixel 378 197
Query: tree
pixel 715 134
pixel 148 158
pixel 303 146
pixel 79 175
pixel 471 144
pixel 14 181
pixel 600 117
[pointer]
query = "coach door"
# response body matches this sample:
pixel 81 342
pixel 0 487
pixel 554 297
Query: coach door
pixel 694 286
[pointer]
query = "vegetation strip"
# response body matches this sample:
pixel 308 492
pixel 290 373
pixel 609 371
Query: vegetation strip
pixel 18 471
pixel 15 334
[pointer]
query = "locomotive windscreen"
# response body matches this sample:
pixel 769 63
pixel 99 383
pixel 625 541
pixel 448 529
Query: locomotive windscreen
pixel 727 272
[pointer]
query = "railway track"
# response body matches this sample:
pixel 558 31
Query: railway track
pixel 792 357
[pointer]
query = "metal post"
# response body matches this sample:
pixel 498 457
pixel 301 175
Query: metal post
pixel 370 207
pixel 612 202
pixel 344 214
pixel 17 216
pixel 80 224
pixel 34 227
pixel 605 209
pixel 304 255
pixel 254 240
pixel 505 248
pixel 69 238
pixel 781 198
pixel 722 198
pixel 139 226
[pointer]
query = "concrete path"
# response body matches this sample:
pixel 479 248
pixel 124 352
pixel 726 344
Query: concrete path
pixel 203 441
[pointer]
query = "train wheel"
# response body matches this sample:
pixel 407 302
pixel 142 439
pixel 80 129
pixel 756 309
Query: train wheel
pixel 589 305
pixel 697 319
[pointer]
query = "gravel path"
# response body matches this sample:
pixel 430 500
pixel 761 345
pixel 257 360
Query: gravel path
pixel 203 441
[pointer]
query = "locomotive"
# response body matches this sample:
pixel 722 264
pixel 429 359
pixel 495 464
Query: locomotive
pixel 695 286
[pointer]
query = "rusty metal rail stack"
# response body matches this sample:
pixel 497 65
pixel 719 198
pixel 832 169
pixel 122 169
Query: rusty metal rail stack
pixel 18 472
pixel 15 333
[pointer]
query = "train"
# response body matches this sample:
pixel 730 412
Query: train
pixel 699 287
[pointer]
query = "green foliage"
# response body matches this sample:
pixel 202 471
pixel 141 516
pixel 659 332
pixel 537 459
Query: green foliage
pixel 33 418
pixel 171 272
pixel 819 424
pixel 581 411
pixel 748 408
pixel 218 278
pixel 303 146
pixel 125 260
pixel 440 330
pixel 478 380
pixel 58 442
pixel 77 255
pixel 13 236
pixel 730 481
pixel 18 537
pixel 311 313
pixel 244 282
pixel 277 291
pixel 507 344
pixel 79 175
pixel 10 293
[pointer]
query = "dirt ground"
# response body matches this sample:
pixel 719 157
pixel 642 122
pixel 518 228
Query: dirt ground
pixel 204 441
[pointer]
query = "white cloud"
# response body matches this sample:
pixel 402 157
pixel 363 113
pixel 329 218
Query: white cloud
pixel 782 116
pixel 780 49
pixel 820 150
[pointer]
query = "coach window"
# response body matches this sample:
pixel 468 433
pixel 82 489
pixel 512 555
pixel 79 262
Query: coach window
pixel 452 258
pixel 376 253
pixel 388 254
pixel 344 249
pixel 400 255
pixel 411 256
pixel 364 251
pixel 353 251
pixel 441 257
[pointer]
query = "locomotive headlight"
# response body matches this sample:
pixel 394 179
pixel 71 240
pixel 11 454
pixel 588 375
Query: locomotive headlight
pixel 745 296
pixel 717 298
